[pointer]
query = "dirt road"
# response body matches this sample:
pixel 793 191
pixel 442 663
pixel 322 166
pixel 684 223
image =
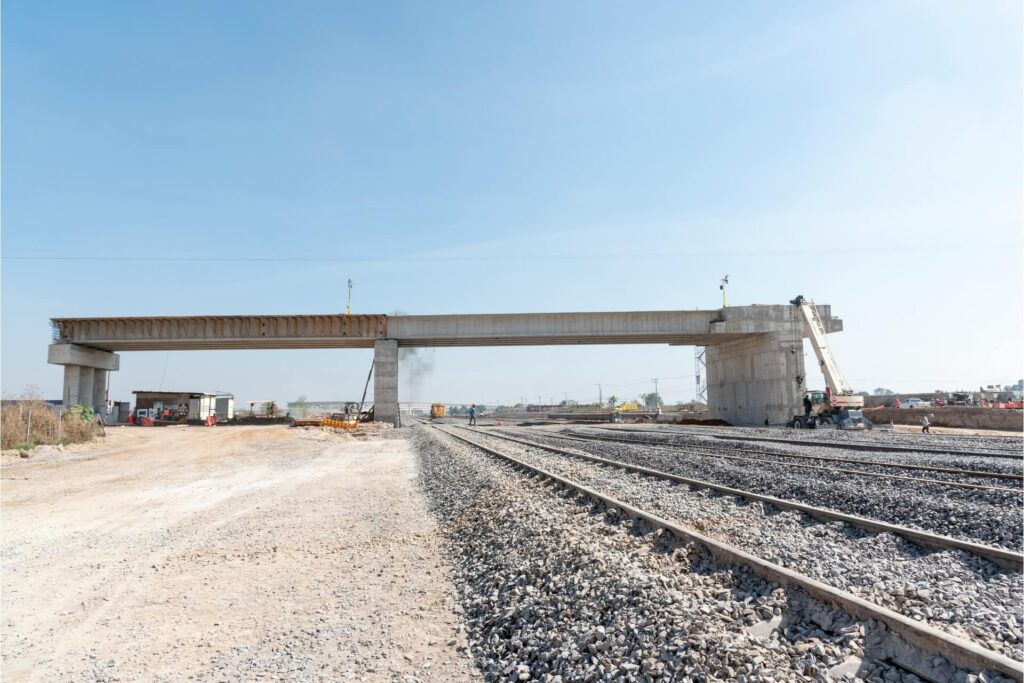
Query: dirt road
pixel 223 553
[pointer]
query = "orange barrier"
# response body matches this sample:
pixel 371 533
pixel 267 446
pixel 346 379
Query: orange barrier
pixel 339 424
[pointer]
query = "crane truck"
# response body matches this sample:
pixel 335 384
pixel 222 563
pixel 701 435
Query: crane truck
pixel 838 405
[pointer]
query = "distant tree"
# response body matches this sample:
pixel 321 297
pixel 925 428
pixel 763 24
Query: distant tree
pixel 863 393
pixel 651 400
pixel 880 391
pixel 301 406
pixel 613 401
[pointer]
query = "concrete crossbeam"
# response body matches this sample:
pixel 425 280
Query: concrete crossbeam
pixel 73 354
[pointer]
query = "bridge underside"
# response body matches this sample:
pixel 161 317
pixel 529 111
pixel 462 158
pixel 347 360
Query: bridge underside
pixel 755 356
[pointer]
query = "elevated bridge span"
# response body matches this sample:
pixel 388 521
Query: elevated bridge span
pixel 755 353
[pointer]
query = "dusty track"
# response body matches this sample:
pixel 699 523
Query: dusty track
pixel 223 553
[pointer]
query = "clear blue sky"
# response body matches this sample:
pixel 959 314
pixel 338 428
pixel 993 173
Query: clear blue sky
pixel 519 156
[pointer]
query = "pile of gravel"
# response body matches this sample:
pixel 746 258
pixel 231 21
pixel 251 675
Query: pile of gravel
pixel 984 516
pixel 554 588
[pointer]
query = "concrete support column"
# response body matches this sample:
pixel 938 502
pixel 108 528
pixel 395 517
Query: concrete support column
pixel 385 381
pixel 99 392
pixel 760 375
pixel 85 385
pixel 85 374
pixel 73 384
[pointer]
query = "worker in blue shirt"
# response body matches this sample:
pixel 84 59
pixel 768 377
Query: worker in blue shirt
pixel 472 415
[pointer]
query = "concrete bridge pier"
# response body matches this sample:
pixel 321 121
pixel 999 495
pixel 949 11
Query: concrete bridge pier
pixel 85 374
pixel 385 381
pixel 759 376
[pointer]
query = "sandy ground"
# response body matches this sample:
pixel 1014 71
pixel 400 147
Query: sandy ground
pixel 963 431
pixel 222 554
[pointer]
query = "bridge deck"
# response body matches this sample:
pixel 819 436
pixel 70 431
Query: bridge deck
pixel 361 331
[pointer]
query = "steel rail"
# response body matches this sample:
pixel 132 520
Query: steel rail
pixel 880 475
pixel 861 446
pixel 827 458
pixel 956 650
pixel 1004 558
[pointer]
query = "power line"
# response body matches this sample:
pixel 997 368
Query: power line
pixel 658 256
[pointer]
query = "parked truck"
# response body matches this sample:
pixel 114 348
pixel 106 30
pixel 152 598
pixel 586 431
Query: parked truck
pixel 837 405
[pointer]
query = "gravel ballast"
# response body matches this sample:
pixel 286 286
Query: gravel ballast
pixel 555 588
pixel 991 517
pixel 953 590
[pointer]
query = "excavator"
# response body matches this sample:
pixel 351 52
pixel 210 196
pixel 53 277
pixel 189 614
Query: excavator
pixel 837 405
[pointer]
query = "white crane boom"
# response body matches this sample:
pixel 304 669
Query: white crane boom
pixel 826 361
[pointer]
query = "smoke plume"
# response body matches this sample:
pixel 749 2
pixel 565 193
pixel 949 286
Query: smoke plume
pixel 416 364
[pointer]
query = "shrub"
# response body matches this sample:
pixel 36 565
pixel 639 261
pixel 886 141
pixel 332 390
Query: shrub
pixel 83 413
pixel 29 421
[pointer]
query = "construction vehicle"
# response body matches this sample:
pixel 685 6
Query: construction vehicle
pixel 436 411
pixel 837 405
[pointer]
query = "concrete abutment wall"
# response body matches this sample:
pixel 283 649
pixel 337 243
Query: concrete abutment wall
pixel 759 377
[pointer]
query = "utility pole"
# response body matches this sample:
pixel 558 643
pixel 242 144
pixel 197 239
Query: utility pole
pixel 349 309
pixel 701 373
pixel 600 396
pixel 656 395
pixel 721 285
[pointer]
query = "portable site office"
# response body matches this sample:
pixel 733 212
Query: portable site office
pixel 185 406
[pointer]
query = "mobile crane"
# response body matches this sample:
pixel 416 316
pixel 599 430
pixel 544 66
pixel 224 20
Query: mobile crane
pixel 837 405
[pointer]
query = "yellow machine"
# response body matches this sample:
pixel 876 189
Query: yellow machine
pixel 436 410
pixel 628 406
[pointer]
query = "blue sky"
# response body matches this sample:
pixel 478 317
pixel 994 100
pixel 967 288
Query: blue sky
pixel 501 157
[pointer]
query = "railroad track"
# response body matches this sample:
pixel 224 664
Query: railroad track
pixel 981 474
pixel 1005 558
pixel 865 446
pixel 847 471
pixel 844 444
pixel 931 640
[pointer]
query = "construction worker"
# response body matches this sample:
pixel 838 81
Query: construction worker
pixel 925 424
pixel 807 406
pixel 472 415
